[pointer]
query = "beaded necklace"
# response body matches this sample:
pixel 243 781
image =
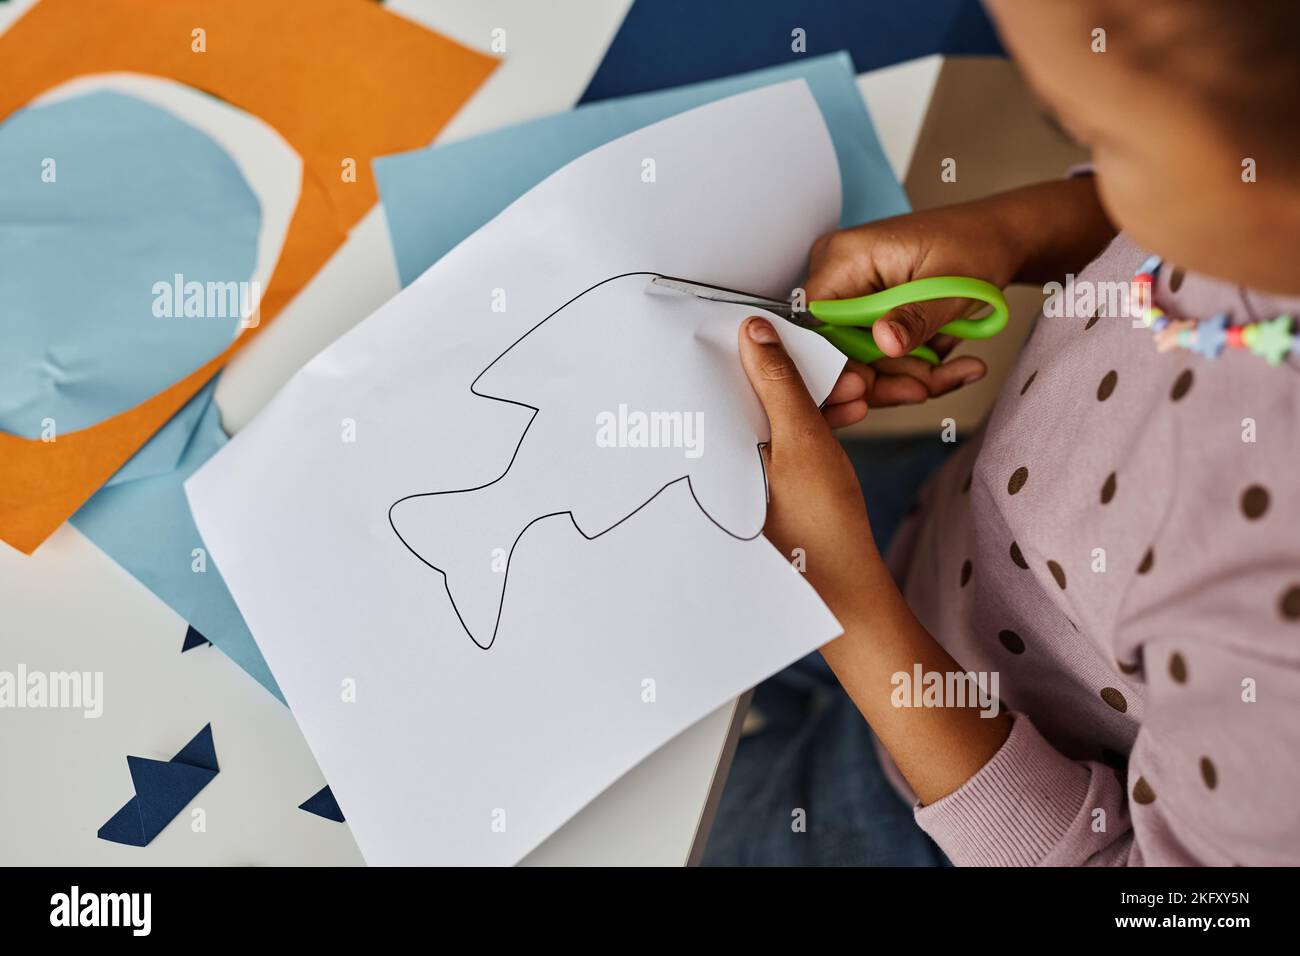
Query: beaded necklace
pixel 1272 340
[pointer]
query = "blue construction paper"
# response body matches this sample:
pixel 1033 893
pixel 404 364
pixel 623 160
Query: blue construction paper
pixel 146 527
pixel 138 197
pixel 435 197
pixel 194 639
pixel 162 790
pixel 666 43
pixel 160 454
pixel 323 804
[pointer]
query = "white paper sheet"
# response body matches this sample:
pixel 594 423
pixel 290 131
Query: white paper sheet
pixel 447 735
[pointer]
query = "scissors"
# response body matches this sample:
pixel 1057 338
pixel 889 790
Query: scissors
pixel 846 323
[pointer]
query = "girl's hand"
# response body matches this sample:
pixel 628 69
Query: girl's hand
pixel 1029 235
pixel 815 501
pixel 816 505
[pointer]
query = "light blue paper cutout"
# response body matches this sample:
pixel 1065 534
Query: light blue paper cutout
pixel 435 197
pixel 160 454
pixel 145 526
pixel 138 196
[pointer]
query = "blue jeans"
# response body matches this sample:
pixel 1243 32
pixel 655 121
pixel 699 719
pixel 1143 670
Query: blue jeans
pixel 806 788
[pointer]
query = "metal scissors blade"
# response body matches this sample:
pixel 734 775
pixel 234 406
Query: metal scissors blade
pixel 846 323
pixel 719 294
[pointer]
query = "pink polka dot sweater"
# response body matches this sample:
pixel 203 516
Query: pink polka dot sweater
pixel 1121 544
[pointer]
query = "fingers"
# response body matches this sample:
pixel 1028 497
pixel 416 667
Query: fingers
pixel 847 403
pixel 910 380
pixel 851 386
pixel 791 412
pixel 846 414
pixel 914 324
pixel 898 389
pixel 953 374
pixel 943 344
pixel 899 381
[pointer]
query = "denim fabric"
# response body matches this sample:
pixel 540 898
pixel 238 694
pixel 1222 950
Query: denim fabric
pixel 813 752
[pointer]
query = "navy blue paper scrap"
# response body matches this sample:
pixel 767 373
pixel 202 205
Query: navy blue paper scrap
pixel 162 790
pixel 193 639
pixel 665 43
pixel 323 804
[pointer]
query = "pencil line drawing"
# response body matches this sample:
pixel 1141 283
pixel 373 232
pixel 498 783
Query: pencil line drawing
pixel 447 569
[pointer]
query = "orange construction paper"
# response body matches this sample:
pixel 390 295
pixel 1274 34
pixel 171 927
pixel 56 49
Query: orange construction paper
pixel 335 78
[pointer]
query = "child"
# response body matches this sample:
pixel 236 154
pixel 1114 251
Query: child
pixel 1116 550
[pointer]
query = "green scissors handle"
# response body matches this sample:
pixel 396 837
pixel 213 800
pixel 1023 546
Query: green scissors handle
pixel 846 323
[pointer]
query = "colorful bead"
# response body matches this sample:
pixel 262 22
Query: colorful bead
pixel 1272 339
pixel 1212 336
pixel 1149 265
pixel 1167 340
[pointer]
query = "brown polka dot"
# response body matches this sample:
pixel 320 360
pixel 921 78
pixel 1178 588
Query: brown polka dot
pixel 965 573
pixel 1113 697
pixel 1182 385
pixel 1254 501
pixel 1058 573
pixel 1092 320
pixel 1029 381
pixel 1017 480
pixel 1178 668
pixel 1127 668
pixel 1107 385
pixel 1290 603
pixel 1208 773
pixel 1108 489
pixel 1018 558
pixel 1142 792
pixel 965 485
pixel 1176 278
pixel 1012 641
pixel 1148 561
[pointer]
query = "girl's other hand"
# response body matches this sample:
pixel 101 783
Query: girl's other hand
pixel 815 502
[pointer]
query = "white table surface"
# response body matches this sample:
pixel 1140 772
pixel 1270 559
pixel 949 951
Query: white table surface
pixel 69 607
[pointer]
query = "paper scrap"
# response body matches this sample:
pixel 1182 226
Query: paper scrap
pixel 652 51
pixel 193 639
pixel 433 198
pixel 323 804
pixel 105 199
pixel 145 526
pixel 608 647
pixel 402 83
pixel 162 790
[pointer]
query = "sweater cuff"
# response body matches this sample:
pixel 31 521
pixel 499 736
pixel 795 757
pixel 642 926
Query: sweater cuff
pixel 1015 810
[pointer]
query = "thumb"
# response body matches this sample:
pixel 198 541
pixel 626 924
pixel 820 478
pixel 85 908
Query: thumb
pixel 791 411
pixel 908 326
